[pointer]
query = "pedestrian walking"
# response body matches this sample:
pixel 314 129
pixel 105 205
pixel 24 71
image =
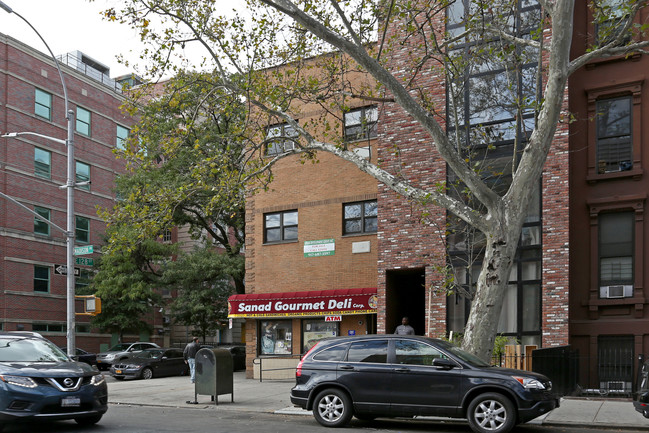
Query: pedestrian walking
pixel 190 357
pixel 404 328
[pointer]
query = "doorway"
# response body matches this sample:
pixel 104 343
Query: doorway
pixel 405 295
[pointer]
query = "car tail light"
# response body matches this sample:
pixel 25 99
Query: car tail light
pixel 298 369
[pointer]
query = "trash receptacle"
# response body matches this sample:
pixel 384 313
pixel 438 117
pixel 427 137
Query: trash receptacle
pixel 214 373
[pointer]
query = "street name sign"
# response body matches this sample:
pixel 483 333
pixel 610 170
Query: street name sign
pixel 84 261
pixel 80 251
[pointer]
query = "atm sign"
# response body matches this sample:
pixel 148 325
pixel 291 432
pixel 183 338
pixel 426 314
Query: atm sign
pixel 333 318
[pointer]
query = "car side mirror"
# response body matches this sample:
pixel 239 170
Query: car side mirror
pixel 443 363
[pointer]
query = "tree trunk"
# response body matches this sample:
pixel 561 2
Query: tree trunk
pixel 487 303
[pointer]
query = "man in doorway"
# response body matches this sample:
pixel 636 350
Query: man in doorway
pixel 404 328
pixel 190 357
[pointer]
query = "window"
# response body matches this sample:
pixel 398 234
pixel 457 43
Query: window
pixel 83 280
pixel 280 226
pixel 281 138
pixel 166 236
pixel 614 143
pixel 616 249
pixel 83 175
pixel 610 16
pixel 314 330
pixel 40 226
pixel 83 121
pixel 83 328
pixel 360 217
pixel 48 327
pixel 375 351
pixel 43 104
pixel 82 230
pixel 41 279
pixel 42 163
pixel 122 136
pixel 416 353
pixel 360 123
pixel 276 337
pixel 615 363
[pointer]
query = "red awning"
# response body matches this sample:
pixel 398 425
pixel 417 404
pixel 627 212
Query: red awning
pixel 307 303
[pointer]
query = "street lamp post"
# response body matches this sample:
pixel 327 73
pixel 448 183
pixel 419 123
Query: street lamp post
pixel 70 184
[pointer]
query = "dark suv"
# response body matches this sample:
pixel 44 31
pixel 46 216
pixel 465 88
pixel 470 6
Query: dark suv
pixel 39 382
pixel 404 376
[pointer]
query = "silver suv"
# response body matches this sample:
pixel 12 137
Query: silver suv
pixel 119 352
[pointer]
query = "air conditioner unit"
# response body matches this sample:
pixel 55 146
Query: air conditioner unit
pixel 617 291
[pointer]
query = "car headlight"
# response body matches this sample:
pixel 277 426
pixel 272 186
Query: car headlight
pixel 132 367
pixel 27 382
pixel 529 383
pixel 109 357
pixel 97 379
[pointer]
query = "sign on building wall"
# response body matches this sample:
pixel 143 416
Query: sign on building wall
pixel 321 247
pixel 308 303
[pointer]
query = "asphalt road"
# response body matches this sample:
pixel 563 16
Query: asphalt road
pixel 143 419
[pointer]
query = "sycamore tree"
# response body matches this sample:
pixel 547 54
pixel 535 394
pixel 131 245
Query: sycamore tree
pixel 280 56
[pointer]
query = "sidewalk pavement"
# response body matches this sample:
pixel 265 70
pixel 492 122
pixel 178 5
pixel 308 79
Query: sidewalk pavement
pixel 273 396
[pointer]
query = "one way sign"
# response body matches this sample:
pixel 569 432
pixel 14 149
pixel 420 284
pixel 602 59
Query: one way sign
pixel 62 270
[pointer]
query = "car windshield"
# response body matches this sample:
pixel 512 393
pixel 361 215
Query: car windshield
pixel 149 354
pixel 119 347
pixel 467 357
pixel 30 350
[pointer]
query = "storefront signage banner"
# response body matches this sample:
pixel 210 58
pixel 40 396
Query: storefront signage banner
pixel 322 247
pixel 322 305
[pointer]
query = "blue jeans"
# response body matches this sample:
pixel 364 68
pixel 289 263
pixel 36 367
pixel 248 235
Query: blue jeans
pixel 192 368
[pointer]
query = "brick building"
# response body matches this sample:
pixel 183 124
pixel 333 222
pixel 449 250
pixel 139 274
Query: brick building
pixel 32 169
pixel 578 277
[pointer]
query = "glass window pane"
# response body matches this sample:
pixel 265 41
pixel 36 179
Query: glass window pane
pixel 371 208
pixel 41 279
pixel 273 235
pixel 83 121
pixel 273 220
pixel 290 218
pixel 314 330
pixel 276 337
pixel 82 229
pixel 352 210
pixel 40 226
pixel 370 225
pixel 122 136
pixel 353 118
pixel 42 163
pixel 43 104
pixel 353 226
pixel 531 307
pixel 82 174
pixel 290 233
pixel 375 351
pixel 415 353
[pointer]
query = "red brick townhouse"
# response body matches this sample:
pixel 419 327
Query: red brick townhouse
pixel 609 233
pixel 32 292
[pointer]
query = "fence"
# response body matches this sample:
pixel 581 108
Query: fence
pixel 610 374
pixel 275 367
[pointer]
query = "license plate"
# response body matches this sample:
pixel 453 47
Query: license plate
pixel 70 402
pixel 118 371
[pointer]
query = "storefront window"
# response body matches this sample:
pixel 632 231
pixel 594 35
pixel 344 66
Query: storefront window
pixel 314 330
pixel 276 337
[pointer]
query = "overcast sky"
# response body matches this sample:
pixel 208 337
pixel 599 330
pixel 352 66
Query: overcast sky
pixel 69 25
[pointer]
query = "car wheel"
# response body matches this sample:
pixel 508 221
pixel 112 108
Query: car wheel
pixel 88 420
pixel 645 413
pixel 147 373
pixel 332 408
pixel 491 413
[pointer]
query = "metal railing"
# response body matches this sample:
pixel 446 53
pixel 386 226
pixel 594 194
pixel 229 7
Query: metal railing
pixel 270 358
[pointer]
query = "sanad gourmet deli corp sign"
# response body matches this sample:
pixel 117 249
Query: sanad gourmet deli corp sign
pixel 309 303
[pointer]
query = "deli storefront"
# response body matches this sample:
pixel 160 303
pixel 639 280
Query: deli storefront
pixel 290 323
